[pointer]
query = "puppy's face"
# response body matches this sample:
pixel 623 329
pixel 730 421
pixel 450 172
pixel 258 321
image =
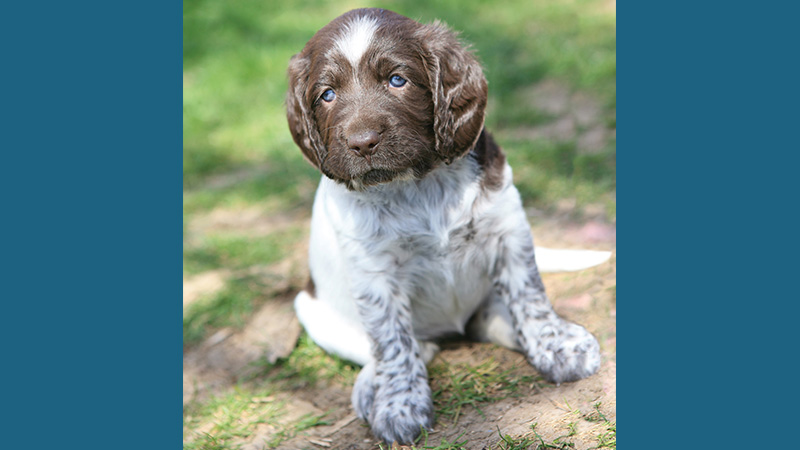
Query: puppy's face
pixel 375 96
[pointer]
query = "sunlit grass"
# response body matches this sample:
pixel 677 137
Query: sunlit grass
pixel 456 386
pixel 236 251
pixel 309 365
pixel 222 421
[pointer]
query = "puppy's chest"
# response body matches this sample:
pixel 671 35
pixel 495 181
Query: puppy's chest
pixel 435 251
pixel 423 251
pixel 416 237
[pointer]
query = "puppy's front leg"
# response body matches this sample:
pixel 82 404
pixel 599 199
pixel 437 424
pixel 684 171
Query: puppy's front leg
pixel 392 391
pixel 560 350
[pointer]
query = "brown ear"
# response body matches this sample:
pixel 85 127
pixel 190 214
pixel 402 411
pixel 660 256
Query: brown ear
pixel 298 111
pixel 459 92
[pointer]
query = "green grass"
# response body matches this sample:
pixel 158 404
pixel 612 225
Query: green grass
pixel 231 307
pixel 559 443
pixel 288 432
pixel 456 386
pixel 222 420
pixel 511 443
pixel 235 58
pixel 238 251
pixel 547 171
pixel 309 365
pixel 608 438
pixel 282 182
pixel 444 444
pixel 535 441
pixel 232 416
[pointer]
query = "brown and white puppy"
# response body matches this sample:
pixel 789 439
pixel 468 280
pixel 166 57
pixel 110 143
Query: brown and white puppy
pixel 417 230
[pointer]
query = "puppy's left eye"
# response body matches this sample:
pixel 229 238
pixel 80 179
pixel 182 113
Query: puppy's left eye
pixel 397 81
pixel 328 96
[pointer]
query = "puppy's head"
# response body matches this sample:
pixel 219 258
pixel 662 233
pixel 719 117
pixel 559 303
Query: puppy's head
pixel 375 96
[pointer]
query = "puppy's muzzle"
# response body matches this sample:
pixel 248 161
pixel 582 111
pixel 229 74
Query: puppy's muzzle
pixel 364 143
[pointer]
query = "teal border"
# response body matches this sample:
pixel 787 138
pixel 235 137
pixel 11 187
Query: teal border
pixel 91 182
pixel 707 165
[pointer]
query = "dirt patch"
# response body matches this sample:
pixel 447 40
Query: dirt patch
pixel 228 355
pixel 204 284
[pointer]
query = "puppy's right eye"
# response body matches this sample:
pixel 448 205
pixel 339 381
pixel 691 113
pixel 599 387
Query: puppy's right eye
pixel 397 81
pixel 328 96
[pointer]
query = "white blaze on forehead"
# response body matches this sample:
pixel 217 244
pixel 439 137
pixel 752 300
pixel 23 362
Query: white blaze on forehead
pixel 355 38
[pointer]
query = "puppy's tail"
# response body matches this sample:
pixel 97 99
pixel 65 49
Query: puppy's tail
pixel 557 260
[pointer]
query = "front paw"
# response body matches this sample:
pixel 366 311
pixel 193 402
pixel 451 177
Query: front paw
pixel 568 353
pixel 401 408
pixel 397 408
pixel 394 396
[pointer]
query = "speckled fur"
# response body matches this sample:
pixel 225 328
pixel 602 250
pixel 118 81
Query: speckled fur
pixel 426 238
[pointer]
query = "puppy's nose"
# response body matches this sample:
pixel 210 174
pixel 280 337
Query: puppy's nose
pixel 364 143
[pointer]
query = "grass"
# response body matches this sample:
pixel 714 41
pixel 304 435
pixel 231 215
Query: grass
pixel 608 438
pixel 224 421
pixel 559 443
pixel 444 444
pixel 229 418
pixel 239 156
pixel 456 386
pixel 238 251
pixel 231 307
pixel 288 432
pixel 309 365
pixel 554 170
pixel 510 443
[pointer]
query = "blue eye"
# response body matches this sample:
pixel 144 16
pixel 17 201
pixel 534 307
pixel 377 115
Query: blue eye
pixel 328 95
pixel 397 81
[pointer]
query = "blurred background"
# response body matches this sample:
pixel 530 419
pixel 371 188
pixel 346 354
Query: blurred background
pixel 551 67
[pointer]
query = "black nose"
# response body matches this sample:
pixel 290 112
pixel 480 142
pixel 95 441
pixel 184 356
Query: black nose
pixel 364 143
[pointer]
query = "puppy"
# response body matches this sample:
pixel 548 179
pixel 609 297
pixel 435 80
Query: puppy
pixel 417 230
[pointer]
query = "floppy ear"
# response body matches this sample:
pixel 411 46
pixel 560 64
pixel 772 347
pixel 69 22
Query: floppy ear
pixel 459 92
pixel 298 111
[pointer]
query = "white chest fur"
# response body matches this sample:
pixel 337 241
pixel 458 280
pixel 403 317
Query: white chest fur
pixel 428 236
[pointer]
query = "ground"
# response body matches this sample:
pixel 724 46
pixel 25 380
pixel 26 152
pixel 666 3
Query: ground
pixel 485 392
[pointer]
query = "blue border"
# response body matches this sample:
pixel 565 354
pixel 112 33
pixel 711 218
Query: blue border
pixel 708 158
pixel 92 143
pixel 92 225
